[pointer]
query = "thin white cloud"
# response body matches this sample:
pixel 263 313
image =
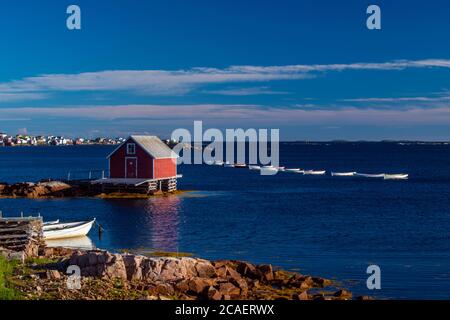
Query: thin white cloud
pixel 171 82
pixel 20 96
pixel 400 99
pixel 240 115
pixel 253 91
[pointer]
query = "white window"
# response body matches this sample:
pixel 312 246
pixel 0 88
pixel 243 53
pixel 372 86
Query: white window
pixel 131 148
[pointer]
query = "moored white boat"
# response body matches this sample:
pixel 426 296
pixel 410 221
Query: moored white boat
pixel 314 172
pixel 218 163
pixel 228 165
pixel 343 174
pixel 296 170
pixel 50 222
pixel 399 176
pixel 67 230
pixel 369 175
pixel 240 165
pixel 269 170
pixel 254 167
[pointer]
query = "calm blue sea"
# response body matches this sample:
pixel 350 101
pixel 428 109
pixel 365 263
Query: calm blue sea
pixel 326 226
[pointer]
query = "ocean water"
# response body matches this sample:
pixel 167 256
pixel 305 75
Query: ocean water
pixel 326 226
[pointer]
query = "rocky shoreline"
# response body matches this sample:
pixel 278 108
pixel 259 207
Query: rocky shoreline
pixel 59 189
pixel 111 276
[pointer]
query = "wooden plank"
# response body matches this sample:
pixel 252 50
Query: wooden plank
pixel 24 228
pixel 18 236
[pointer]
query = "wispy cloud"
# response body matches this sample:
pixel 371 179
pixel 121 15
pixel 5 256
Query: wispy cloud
pixel 176 82
pixel 253 91
pixel 21 96
pixel 242 115
pixel 400 99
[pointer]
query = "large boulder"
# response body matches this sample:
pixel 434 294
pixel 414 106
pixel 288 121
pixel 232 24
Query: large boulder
pixel 100 264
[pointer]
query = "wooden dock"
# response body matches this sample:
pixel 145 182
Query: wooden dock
pixel 22 234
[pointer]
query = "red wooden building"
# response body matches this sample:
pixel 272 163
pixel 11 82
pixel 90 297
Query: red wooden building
pixel 143 162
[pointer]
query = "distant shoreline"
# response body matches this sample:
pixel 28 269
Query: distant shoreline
pixel 299 142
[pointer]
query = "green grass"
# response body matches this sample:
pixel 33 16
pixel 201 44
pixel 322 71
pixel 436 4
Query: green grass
pixel 6 271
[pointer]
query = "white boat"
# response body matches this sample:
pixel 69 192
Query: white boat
pixel 369 175
pixel 400 176
pixel 254 167
pixel 281 169
pixel 314 172
pixel 67 230
pixel 218 163
pixel 343 174
pixel 296 170
pixel 269 170
pixel 240 165
pixel 228 165
pixel 51 222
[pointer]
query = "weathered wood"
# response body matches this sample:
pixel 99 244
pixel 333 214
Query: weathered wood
pixel 14 236
pixel 22 234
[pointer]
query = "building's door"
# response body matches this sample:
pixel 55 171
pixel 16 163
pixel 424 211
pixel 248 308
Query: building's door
pixel 131 168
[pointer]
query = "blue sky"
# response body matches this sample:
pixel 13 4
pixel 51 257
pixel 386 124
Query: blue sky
pixel 310 68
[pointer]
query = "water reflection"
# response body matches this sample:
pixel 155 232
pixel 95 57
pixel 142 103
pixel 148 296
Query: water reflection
pixel 163 213
pixel 83 243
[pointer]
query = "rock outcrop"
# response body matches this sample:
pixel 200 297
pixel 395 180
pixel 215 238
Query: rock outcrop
pixel 194 278
pixel 106 275
pixel 35 190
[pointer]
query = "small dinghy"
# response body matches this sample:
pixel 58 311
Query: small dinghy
pixel 296 170
pixel 50 222
pixel 343 174
pixel 314 172
pixel 369 175
pixel 269 170
pixel 254 167
pixel 67 230
pixel 400 176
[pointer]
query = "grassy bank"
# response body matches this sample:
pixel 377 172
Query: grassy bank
pixel 6 272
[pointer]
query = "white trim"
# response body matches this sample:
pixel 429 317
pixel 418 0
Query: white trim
pixel 126 165
pixel 128 148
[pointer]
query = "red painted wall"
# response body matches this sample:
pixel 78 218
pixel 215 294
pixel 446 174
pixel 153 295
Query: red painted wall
pixel 164 168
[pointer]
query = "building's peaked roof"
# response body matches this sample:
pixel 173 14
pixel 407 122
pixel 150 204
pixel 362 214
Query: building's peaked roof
pixel 152 145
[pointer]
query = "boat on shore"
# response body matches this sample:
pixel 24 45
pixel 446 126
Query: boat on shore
pixel 369 175
pixel 399 176
pixel 314 172
pixel 67 230
pixel 342 174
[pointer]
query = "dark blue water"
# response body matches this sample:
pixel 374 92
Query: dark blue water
pixel 327 226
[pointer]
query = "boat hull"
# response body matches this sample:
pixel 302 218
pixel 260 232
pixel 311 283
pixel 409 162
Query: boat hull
pixel 70 230
pixel 343 174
